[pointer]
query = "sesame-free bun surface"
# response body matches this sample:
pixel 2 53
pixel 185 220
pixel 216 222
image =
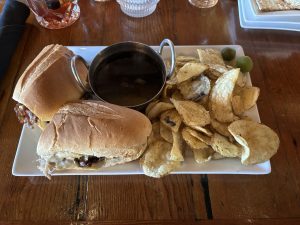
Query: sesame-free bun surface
pixel 47 83
pixel 96 128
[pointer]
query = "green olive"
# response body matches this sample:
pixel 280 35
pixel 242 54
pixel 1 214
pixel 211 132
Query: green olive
pixel 244 63
pixel 228 54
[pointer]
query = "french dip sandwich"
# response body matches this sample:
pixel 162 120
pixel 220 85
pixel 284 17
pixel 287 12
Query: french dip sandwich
pixel 46 85
pixel 90 135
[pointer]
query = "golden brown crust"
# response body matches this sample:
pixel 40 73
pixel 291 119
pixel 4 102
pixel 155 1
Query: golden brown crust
pixel 30 69
pixel 96 128
pixel 47 83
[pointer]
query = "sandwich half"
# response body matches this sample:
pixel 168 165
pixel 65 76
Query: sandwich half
pixel 46 84
pixel 91 135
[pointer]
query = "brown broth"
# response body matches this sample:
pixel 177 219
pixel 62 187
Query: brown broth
pixel 128 78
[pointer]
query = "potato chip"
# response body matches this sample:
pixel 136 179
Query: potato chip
pixel 221 128
pixel 177 95
pixel 245 100
pixel 192 141
pixel 156 162
pixel 217 155
pixel 185 59
pixel 237 90
pixel 203 155
pixel 214 71
pixel 220 69
pixel 166 133
pixel 237 105
pixel 203 130
pixel 190 70
pixel 171 119
pixel 243 117
pixel 231 65
pixel 167 92
pixel 182 60
pixel 193 114
pixel 150 106
pixel 242 80
pixel 155 134
pixel 176 151
pixel 210 56
pixel 212 83
pixel 221 145
pixel 195 89
pixel 202 152
pixel 220 97
pixel 204 102
pixel 199 136
pixel 187 89
pixel 209 97
pixel 173 79
pixel 159 108
pixel 259 142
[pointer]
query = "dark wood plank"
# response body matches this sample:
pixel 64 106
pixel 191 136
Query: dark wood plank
pixel 171 222
pixel 194 26
pixel 143 198
pixel 107 25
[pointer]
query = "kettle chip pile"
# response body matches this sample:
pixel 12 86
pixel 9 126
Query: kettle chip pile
pixel 201 109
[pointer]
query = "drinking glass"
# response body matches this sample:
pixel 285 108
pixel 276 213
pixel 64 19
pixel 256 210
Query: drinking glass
pixel 203 3
pixel 55 14
pixel 138 8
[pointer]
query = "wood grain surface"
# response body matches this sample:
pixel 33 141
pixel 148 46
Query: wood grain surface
pixel 176 199
pixel 1 5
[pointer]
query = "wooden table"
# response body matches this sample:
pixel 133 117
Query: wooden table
pixel 176 199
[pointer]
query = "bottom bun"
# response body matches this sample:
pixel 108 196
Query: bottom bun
pixel 67 161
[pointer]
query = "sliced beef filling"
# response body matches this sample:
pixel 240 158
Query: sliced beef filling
pixel 87 161
pixel 25 116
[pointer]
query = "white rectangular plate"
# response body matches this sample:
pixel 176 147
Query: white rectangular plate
pixel 25 163
pixel 249 20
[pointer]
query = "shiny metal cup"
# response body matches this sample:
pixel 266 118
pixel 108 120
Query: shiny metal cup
pixel 117 49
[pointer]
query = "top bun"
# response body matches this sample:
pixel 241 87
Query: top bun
pixel 96 128
pixel 48 83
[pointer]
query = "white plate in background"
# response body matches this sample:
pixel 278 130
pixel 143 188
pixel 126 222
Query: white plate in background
pixel 25 162
pixel 252 12
pixel 247 21
pixel 290 14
